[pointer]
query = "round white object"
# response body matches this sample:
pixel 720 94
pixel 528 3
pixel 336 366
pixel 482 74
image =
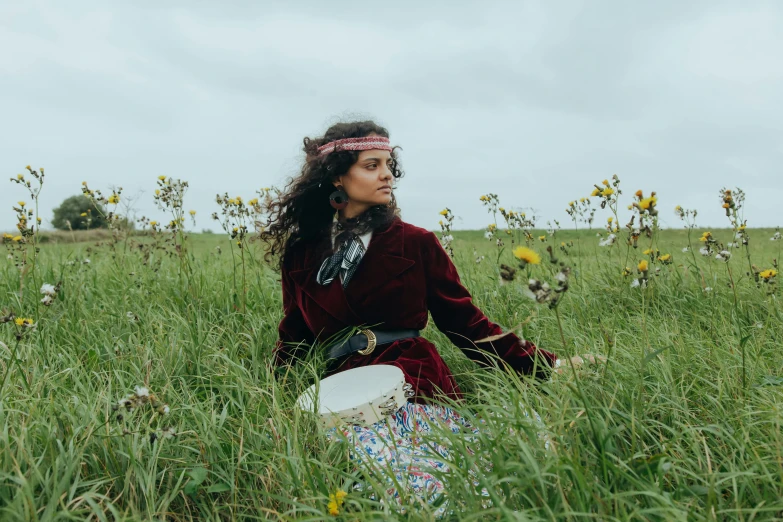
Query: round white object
pixel 361 396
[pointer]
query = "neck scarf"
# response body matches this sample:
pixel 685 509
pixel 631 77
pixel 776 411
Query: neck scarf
pixel 349 250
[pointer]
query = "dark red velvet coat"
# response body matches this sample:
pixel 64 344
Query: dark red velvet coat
pixel 404 273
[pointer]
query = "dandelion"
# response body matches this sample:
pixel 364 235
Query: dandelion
pixel 336 500
pixel 648 203
pixel 665 259
pixel 24 322
pixel 768 275
pixel 527 256
pixel 608 191
pixel 642 266
pixel 706 236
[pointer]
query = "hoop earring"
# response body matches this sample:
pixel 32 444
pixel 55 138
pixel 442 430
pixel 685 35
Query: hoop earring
pixel 338 199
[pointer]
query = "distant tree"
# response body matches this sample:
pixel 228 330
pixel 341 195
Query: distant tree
pixel 80 212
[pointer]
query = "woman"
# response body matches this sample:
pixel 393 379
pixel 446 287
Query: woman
pixel 348 260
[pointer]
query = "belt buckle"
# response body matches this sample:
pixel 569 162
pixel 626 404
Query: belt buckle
pixel 371 342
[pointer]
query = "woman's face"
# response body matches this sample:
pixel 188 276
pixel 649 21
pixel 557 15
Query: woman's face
pixel 368 182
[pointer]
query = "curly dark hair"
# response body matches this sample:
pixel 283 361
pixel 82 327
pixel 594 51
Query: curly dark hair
pixel 302 212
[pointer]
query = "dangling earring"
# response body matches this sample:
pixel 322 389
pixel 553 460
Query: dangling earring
pixel 338 199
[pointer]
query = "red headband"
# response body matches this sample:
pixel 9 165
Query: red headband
pixel 370 142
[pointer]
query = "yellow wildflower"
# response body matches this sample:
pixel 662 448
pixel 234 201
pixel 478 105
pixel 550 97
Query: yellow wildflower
pixel 192 212
pixel 609 220
pixel 768 274
pixel 647 252
pixel 28 167
pixel 16 238
pixel 626 271
pixel 253 202
pixel 639 194
pixel 7 236
pixel 83 214
pixel 162 178
pixel 21 203
pixel 595 192
pixel 20 176
pixel 705 236
pixel 482 198
pixel 153 223
pixel 605 182
pixel 84 183
pixel 608 191
pixel 114 199
pixel 232 201
pixel 22 321
pixel 665 258
pixel 726 205
pixel 527 255
pixel 542 238
pixel 440 222
pixel 157 192
pixel 445 212
pixel 336 501
pixel 642 266
pixel 646 203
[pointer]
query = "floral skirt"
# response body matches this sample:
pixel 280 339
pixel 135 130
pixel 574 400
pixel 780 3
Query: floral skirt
pixel 402 450
pixel 399 449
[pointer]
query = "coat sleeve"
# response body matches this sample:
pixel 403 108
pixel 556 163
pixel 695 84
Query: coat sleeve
pixel 455 315
pixel 294 336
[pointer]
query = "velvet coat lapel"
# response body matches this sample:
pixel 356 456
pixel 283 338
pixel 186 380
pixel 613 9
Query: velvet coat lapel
pixel 368 291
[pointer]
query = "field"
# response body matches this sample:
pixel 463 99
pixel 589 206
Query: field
pixel 683 421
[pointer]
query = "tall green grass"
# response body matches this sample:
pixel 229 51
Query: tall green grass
pixel 667 429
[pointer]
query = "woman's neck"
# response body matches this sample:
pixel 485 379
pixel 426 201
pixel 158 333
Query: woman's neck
pixel 352 211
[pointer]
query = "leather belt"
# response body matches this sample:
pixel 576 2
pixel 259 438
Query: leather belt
pixel 366 340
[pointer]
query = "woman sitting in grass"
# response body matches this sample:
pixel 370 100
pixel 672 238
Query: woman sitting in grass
pixel 349 262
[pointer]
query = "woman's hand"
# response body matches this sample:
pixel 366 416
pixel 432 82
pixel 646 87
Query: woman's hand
pixel 562 366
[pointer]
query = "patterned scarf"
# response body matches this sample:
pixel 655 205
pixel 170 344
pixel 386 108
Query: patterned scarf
pixel 350 251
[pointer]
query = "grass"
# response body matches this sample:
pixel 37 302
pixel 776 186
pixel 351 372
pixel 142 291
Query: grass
pixel 668 429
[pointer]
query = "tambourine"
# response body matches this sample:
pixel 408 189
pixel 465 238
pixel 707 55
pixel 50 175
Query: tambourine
pixel 360 396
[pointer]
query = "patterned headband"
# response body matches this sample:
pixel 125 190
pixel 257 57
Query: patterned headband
pixel 370 142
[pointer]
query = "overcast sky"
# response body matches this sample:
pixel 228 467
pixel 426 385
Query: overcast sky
pixel 535 101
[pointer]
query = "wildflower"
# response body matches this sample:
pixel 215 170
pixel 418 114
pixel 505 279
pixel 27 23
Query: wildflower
pixel 648 203
pixel 444 212
pixel 642 266
pixel 114 199
pixel 635 283
pixel 542 238
pixel 21 203
pixel 639 194
pixel 705 251
pixel 647 252
pixel 83 214
pixel 253 202
pixel 488 234
pixel 47 300
pixel 706 236
pixel 685 249
pixel 141 391
pixel 609 241
pixel 605 182
pixel 724 256
pixel 665 259
pixel 527 255
pixel 336 501
pixel 608 191
pixel 595 192
pixel 48 289
pixel 24 322
pixel 162 178
pixel 776 237
pixel 20 176
pixel 769 274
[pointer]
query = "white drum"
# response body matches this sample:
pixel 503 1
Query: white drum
pixel 361 396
